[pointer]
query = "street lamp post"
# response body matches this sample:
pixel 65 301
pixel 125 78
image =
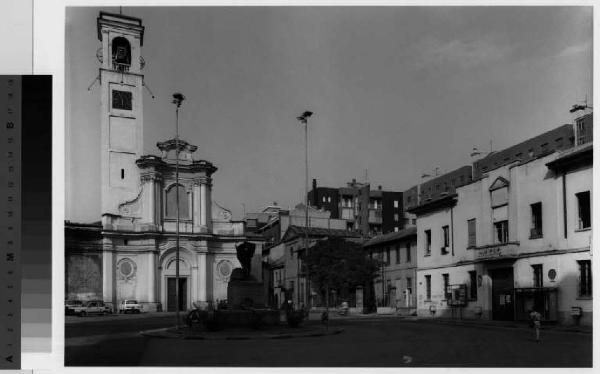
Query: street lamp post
pixel 304 120
pixel 177 100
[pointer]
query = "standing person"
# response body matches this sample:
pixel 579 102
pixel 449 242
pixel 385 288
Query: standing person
pixel 536 319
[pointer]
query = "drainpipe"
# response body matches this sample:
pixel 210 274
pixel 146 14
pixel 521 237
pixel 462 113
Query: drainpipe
pixel 564 198
pixel 297 290
pixel 452 228
pixel 382 279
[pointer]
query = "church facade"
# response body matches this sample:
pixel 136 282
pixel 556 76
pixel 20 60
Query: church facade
pixel 131 252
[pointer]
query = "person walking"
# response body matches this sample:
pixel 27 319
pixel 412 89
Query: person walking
pixel 536 320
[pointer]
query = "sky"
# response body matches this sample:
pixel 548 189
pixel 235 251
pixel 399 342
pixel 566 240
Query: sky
pixel 396 91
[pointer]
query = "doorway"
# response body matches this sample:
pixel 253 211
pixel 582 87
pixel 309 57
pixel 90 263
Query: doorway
pixel 171 294
pixel 502 294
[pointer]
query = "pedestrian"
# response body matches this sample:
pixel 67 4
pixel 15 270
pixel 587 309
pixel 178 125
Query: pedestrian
pixel 535 319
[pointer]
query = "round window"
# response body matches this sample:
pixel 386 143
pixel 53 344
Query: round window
pixel 552 274
pixel 126 268
pixel 224 267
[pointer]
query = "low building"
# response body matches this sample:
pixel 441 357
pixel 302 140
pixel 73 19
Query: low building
pixel 290 252
pixel 516 238
pixel 395 285
pixel 275 223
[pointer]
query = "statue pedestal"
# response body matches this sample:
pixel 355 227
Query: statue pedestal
pixel 248 293
pixel 245 291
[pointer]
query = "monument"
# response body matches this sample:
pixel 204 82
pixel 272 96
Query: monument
pixel 244 290
pixel 245 299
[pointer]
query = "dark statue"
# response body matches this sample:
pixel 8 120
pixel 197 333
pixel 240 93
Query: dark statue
pixel 245 252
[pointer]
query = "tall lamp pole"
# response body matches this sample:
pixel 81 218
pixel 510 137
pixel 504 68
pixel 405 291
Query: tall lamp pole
pixel 177 100
pixel 304 120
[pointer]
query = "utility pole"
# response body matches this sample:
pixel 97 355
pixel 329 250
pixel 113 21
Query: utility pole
pixel 177 100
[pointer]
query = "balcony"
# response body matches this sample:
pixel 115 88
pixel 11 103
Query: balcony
pixel 121 67
pixel 497 251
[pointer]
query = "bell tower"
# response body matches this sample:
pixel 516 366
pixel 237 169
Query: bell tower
pixel 121 109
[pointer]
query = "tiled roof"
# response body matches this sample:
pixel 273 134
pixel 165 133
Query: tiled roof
pixel 392 236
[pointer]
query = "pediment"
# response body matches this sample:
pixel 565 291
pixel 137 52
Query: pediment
pixel 500 182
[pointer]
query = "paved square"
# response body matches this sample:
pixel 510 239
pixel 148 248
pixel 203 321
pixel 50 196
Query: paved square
pixel 389 342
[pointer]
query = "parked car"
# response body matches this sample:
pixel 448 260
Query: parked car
pixel 130 306
pixel 70 305
pixel 92 307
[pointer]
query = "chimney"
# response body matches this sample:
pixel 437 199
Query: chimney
pixel 315 200
pixel 379 187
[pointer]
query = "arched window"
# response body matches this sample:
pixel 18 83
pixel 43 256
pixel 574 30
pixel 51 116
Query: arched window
pixel 121 54
pixel 171 208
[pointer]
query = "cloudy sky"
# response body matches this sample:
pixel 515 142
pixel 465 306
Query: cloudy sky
pixel 396 91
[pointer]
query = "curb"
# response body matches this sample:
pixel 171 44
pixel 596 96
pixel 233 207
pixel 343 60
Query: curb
pixel 164 334
pixel 502 326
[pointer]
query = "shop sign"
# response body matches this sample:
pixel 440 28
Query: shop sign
pixel 496 252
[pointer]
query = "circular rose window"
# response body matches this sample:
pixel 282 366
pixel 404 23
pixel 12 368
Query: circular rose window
pixel 224 268
pixel 126 268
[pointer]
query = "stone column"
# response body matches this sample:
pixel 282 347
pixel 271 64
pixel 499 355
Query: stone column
pixel 208 204
pixel 201 279
pixel 197 201
pixel 158 202
pixel 152 277
pixel 194 283
pixel 108 272
pixel 152 201
pixel 203 205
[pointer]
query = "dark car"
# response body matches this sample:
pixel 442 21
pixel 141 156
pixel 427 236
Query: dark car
pixel 92 307
pixel 71 306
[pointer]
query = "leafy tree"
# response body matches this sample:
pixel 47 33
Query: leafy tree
pixel 335 263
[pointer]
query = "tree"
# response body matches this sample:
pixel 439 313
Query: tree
pixel 337 264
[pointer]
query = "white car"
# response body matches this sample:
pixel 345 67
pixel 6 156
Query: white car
pixel 130 306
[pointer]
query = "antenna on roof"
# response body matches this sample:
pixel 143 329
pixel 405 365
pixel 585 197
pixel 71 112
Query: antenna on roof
pixel 477 152
pixel 578 107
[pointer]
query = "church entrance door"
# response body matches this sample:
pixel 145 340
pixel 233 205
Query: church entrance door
pixel 171 306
